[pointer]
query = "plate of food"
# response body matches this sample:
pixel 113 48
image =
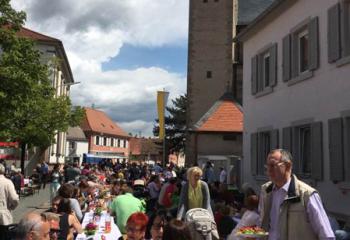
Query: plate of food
pixel 252 232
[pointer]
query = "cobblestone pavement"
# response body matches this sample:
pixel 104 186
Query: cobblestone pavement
pixel 38 202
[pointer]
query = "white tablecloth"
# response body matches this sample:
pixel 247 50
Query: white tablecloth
pixel 113 235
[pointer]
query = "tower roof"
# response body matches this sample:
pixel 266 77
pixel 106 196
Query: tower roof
pixel 225 115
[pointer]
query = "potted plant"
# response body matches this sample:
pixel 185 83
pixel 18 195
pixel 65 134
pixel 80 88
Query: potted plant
pixel 90 229
pixel 98 211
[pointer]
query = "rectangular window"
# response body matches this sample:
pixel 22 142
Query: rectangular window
pixel 261 145
pixel 104 141
pixel 97 140
pixel 305 149
pixel 71 145
pixel 339 149
pixel 265 148
pixel 209 74
pixel 300 56
pixel 112 142
pixel 266 70
pixel 124 144
pixel 118 142
pixel 303 44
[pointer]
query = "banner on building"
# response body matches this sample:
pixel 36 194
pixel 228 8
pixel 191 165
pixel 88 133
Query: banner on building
pixel 162 98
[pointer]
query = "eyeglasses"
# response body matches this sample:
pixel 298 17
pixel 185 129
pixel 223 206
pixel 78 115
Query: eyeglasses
pixel 273 166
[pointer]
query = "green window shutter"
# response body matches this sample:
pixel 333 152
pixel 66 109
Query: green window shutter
pixel 287 139
pixel 313 44
pixel 261 155
pixel 286 58
pixel 316 151
pixel 296 149
pixel 294 55
pixel 254 78
pixel 273 65
pixel 260 73
pixel 335 132
pixel 254 153
pixel 347 148
pixel 345 31
pixel 274 139
pixel 334 33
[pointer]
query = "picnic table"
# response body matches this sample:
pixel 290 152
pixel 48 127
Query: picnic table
pixel 113 234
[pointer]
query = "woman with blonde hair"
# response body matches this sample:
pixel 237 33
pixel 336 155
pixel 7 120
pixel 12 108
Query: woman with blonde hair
pixel 194 193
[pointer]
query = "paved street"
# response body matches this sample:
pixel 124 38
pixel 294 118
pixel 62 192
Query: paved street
pixel 37 202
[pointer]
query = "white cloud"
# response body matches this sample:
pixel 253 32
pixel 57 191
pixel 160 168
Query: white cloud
pixel 94 32
pixel 126 95
pixel 139 127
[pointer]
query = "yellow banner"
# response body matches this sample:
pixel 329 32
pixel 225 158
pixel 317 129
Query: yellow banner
pixel 162 98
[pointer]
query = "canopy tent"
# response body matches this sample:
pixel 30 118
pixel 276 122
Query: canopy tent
pixel 94 159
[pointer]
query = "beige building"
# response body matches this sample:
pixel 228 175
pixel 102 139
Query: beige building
pixel 296 95
pixel 54 55
pixel 214 62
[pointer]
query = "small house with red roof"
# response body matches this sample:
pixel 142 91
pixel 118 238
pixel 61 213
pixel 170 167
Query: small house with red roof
pixel 106 139
pixel 218 137
pixel 146 150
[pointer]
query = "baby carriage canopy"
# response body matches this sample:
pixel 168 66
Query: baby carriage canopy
pixel 202 224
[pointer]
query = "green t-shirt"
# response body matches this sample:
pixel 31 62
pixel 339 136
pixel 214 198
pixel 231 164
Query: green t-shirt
pixel 123 206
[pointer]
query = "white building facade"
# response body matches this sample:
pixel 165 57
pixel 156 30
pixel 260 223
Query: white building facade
pixel 77 145
pixel 296 95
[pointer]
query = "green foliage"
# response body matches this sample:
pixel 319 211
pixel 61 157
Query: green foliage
pixel 175 124
pixel 30 111
pixel 9 16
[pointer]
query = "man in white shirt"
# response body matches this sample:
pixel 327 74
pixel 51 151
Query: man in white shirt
pixel 9 200
pixel 223 176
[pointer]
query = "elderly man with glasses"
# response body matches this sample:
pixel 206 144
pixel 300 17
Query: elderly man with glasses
pixel 289 208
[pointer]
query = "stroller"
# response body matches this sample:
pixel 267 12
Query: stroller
pixel 202 224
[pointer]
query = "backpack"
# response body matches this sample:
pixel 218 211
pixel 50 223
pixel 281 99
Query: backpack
pixel 202 224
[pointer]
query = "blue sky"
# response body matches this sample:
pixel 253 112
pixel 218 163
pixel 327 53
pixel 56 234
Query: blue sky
pixel 121 51
pixel 171 58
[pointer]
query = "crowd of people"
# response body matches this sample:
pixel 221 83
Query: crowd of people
pixel 152 202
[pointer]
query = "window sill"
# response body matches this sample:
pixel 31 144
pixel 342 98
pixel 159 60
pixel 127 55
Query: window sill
pixel 300 78
pixel 343 61
pixel 267 90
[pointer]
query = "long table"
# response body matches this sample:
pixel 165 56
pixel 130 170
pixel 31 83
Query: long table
pixel 113 235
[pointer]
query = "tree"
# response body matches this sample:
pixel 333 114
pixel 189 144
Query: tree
pixel 30 112
pixel 175 124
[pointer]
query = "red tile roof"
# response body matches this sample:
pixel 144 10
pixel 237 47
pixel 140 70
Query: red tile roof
pixel 98 121
pixel 225 115
pixel 144 146
pixel 25 32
